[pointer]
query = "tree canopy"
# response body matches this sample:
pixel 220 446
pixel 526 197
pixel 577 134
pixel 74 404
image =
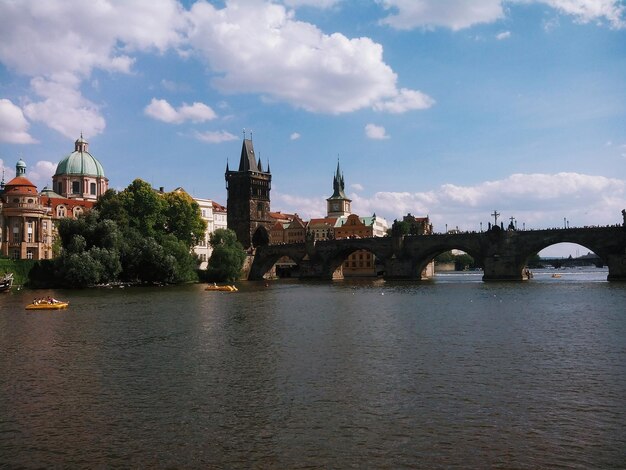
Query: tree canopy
pixel 228 256
pixel 135 235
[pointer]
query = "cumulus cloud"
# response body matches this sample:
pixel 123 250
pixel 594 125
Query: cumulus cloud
pixel 261 48
pixel 405 100
pixel 357 187
pixel 294 136
pixel 534 200
pixel 41 173
pixel 591 10
pixel 311 3
pixel 161 110
pixel 372 131
pixel 63 107
pixel 503 35
pixel 214 137
pixel 460 14
pixel 60 42
pixel 13 124
pixel 453 14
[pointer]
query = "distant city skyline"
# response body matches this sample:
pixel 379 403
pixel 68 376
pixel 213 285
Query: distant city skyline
pixel 448 109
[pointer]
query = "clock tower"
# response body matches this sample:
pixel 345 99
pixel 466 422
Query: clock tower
pixel 338 205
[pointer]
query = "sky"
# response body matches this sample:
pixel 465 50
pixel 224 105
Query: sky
pixel 446 108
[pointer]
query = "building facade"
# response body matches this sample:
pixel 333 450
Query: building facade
pixel 25 223
pixel 248 202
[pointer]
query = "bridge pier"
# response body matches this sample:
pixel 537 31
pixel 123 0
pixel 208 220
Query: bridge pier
pixel 316 270
pixel 617 267
pixel 502 268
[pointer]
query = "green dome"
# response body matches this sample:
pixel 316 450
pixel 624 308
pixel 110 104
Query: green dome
pixel 80 162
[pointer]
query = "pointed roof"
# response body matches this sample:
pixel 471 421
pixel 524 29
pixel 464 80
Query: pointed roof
pixel 338 185
pixel 247 161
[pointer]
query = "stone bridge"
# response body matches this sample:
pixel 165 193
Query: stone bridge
pixel 502 254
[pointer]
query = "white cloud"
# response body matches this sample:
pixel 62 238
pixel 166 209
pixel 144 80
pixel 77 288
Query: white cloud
pixel 503 35
pixel 63 108
pixel 261 48
pixel 60 42
pixel 405 100
pixel 535 200
pixel 357 187
pixel 161 110
pixel 215 137
pixel 13 124
pixel 294 136
pixel 591 10
pixel 461 14
pixel 453 14
pixel 42 172
pixel 311 3
pixel 372 131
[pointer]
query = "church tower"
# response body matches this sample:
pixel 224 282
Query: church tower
pixel 338 205
pixel 249 198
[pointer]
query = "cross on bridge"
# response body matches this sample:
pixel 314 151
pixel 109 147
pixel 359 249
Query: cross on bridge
pixel 495 214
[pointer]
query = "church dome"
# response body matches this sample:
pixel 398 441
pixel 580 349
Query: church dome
pixel 80 162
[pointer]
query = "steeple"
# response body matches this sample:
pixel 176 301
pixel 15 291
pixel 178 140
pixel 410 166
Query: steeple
pixel 247 161
pixel 338 185
pixel 338 205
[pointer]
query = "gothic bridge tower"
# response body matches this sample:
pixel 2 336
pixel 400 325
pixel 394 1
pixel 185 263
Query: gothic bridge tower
pixel 249 199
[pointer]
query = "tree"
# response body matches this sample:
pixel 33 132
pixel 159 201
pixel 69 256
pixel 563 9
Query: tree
pixel 227 258
pixel 183 218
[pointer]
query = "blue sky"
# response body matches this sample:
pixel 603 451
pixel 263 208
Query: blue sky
pixel 443 108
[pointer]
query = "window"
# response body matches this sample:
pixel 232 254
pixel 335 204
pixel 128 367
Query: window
pixel 92 188
pixel 29 254
pixel 75 187
pixel 61 211
pixel 16 254
pixel 60 187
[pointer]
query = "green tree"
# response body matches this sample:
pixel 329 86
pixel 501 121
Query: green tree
pixel 183 218
pixel 227 258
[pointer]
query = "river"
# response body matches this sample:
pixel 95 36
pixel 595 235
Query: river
pixel 454 373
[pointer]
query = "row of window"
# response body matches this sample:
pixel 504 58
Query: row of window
pixel 76 188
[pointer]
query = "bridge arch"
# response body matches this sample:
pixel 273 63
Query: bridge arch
pixel 425 257
pixel 267 256
pixel 589 243
pixel 356 260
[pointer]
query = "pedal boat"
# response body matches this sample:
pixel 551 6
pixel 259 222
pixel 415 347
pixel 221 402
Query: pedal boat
pixel 47 306
pixel 221 288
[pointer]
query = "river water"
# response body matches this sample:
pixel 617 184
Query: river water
pixel 454 373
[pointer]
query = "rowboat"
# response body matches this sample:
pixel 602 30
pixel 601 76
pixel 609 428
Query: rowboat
pixel 6 282
pixel 47 305
pixel 221 288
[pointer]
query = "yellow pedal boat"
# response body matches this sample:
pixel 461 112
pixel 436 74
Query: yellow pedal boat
pixel 47 305
pixel 221 288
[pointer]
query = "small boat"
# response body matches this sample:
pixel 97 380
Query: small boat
pixel 215 287
pixel 45 305
pixel 6 282
pixel 556 275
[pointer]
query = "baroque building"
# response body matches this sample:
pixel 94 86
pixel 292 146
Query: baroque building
pixel 80 175
pixel 248 201
pixel 25 223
